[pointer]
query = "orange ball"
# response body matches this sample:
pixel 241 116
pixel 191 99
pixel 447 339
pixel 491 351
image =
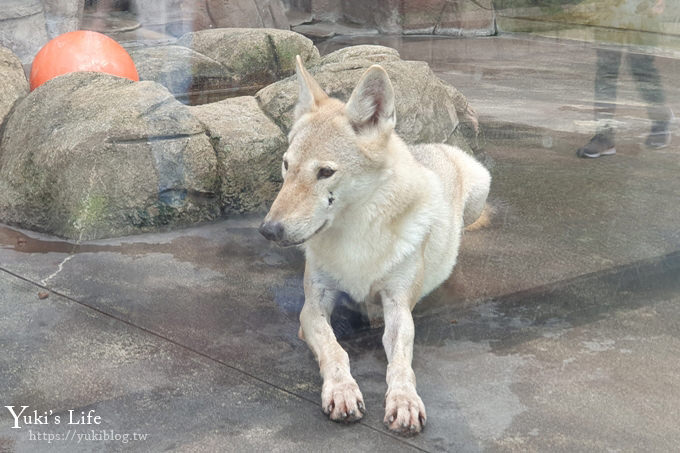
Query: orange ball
pixel 81 51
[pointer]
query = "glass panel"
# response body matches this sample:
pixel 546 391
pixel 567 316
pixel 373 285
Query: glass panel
pixel 204 239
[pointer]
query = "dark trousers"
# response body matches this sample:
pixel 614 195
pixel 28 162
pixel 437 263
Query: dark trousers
pixel 646 78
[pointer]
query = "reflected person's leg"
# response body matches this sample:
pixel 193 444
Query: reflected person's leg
pixel 606 77
pixel 649 85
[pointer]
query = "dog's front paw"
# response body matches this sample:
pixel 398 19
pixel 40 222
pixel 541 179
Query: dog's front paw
pixel 342 401
pixel 404 411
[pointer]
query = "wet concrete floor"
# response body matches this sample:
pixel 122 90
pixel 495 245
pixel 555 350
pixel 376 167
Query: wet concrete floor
pixel 558 330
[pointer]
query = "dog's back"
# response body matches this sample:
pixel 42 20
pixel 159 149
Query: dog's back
pixel 465 185
pixel 464 180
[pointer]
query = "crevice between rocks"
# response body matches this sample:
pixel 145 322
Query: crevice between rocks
pixel 278 123
pixel 438 21
pixel 132 140
pixel 218 164
pixel 275 55
pixel 453 131
pixel 152 108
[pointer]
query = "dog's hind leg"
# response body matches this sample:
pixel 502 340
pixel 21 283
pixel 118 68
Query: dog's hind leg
pixel 341 398
pixel 404 410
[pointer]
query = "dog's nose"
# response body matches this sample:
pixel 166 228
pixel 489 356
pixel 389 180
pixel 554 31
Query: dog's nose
pixel 271 230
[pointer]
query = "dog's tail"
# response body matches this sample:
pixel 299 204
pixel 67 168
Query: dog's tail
pixel 484 219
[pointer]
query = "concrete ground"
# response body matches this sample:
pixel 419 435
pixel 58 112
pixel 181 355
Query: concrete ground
pixel 558 331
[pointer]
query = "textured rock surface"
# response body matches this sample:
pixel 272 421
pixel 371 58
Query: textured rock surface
pixel 62 16
pixel 13 83
pixel 442 17
pixel 249 147
pixel 324 30
pixel 22 27
pixel 174 17
pixel 91 155
pixel 255 56
pixel 214 64
pixel 385 15
pixel 447 17
pixel 177 17
pixel 189 75
pixel 248 13
pixel 426 107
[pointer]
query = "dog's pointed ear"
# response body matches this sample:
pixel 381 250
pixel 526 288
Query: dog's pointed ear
pixel 311 94
pixel 371 104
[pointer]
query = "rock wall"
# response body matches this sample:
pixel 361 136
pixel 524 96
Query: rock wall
pixel 177 17
pixel 26 25
pixel 62 16
pixel 22 27
pixel 441 17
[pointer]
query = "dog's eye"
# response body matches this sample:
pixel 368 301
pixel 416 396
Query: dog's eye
pixel 285 164
pixel 325 172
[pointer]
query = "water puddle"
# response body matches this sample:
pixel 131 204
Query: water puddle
pixel 20 242
pixel 238 245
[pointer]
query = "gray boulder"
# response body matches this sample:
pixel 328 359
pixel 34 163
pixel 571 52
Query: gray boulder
pixel 13 83
pixel 22 27
pixel 426 107
pixel 190 76
pixel 256 57
pixel 249 147
pixel 90 155
pixel 211 65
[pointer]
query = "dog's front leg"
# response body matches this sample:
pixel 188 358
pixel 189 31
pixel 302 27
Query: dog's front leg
pixel 404 410
pixel 341 398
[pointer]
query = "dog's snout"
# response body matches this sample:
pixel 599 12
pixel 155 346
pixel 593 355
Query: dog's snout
pixel 272 230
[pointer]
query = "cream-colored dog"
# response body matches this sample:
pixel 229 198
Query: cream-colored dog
pixel 376 219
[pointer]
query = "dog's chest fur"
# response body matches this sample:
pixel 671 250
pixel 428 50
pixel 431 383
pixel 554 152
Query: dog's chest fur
pixel 360 249
pixel 356 261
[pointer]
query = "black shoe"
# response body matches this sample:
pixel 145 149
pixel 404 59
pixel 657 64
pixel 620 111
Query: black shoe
pixel 659 137
pixel 600 145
